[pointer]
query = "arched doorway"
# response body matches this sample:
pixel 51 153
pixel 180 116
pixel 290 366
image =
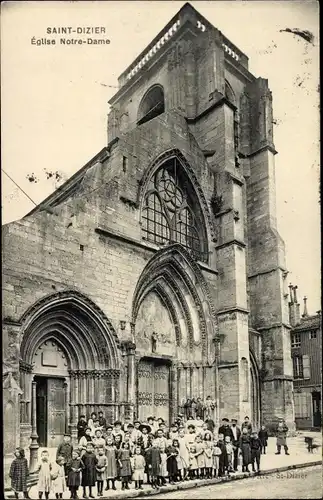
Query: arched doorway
pixel 172 335
pixel 69 366
pixel 254 392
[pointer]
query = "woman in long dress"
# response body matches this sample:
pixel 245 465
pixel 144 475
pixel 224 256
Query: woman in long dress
pixel 244 445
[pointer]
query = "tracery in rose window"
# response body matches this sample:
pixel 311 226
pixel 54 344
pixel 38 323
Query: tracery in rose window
pixel 171 211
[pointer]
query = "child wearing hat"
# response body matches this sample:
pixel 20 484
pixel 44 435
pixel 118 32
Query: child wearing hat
pixel 75 466
pixel 65 450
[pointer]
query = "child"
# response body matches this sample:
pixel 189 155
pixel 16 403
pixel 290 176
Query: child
pixel 244 446
pixel 89 472
pixel 172 468
pixel 223 458
pixel 18 473
pixel 117 441
pixel 98 441
pixel 125 465
pixel 111 470
pixel 199 456
pixel 193 468
pixel 65 449
pixel 255 447
pixel 229 450
pixel 263 436
pixel 138 465
pixel 208 459
pixel 87 438
pixel 173 433
pixel 75 466
pixel 153 459
pixel 58 477
pixel 216 453
pixel 44 475
pixel 101 471
pixel 183 457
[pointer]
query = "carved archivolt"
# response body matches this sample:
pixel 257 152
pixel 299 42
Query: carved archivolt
pixel 77 324
pixel 166 264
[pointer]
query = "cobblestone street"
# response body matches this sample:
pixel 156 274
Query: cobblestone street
pixel 301 483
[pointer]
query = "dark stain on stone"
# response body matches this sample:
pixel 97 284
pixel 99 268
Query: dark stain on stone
pixel 305 34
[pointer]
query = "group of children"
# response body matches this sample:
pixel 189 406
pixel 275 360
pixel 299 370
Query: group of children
pixel 149 451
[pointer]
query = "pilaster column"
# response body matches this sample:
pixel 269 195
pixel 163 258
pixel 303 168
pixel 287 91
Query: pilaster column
pixel 34 436
pixel 131 379
pixel 173 392
pixel 67 406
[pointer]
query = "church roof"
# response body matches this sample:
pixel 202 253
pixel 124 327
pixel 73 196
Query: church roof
pixel 308 323
pixel 70 186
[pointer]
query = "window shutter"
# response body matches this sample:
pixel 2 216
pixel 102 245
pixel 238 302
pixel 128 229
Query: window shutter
pixel 306 367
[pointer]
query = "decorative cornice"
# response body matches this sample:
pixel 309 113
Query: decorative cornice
pixel 220 102
pixel 87 374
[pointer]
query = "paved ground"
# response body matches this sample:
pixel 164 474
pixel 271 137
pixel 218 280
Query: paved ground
pixel 298 455
pixel 300 483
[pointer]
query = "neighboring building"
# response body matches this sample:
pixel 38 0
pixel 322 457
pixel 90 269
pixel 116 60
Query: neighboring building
pixel 156 272
pixel 306 346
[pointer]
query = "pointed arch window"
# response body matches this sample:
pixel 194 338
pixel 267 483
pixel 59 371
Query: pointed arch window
pixel 171 211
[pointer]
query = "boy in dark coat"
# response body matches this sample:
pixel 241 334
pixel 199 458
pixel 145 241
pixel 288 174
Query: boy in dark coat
pixel 65 450
pixel 263 436
pixel 74 467
pixel 153 459
pixel 255 446
pixel 89 472
pixel 223 458
pixel 18 473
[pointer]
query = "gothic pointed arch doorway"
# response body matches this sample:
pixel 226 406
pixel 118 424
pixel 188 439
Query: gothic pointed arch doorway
pixel 69 366
pixel 175 323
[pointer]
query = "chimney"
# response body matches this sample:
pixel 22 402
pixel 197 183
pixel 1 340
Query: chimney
pixel 305 313
pixel 291 306
pixel 297 306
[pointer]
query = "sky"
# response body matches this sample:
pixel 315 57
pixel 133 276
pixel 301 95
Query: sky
pixel 55 100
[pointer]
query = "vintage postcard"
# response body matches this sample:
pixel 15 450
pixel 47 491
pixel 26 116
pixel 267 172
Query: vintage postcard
pixel 161 249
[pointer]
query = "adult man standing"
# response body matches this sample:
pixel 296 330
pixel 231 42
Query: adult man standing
pixel 236 433
pixel 281 435
pixel 225 429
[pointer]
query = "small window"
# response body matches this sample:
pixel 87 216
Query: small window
pixel 124 164
pixel 296 340
pixel 313 335
pixel 298 367
pixel 152 104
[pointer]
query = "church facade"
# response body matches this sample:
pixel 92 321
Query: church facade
pixel 156 272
